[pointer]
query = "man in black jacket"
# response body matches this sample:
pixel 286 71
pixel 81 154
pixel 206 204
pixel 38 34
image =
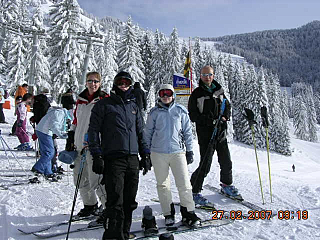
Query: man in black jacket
pixel 117 119
pixel 204 107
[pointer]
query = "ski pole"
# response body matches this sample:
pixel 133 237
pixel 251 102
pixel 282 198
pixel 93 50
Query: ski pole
pixel 255 149
pixel 82 161
pixel 5 144
pixel 250 118
pixel 265 124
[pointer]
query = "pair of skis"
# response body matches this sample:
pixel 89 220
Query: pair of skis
pixel 265 123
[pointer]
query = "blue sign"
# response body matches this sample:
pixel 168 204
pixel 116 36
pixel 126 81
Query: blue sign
pixel 181 82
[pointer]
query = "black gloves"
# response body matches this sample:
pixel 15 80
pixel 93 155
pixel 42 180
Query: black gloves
pixel 19 124
pixel 145 163
pixel 249 116
pixel 189 157
pixel 206 119
pixel 70 141
pixel 264 116
pixel 98 164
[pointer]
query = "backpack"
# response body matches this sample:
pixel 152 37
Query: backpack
pixel 6 94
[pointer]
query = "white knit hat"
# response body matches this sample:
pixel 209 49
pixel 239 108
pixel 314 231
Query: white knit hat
pixel 166 86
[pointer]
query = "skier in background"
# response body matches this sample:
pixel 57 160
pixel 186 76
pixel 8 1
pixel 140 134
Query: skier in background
pixel 90 184
pixel 21 130
pixel 168 131
pixel 115 139
pixel 204 107
pixel 140 96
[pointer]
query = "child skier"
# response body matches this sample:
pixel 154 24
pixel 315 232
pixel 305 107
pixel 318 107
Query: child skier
pixel 168 130
pixel 21 129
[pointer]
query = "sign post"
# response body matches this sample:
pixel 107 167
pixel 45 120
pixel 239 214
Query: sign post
pixel 182 88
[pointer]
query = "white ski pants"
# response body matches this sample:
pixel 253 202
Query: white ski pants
pixel 178 164
pixel 90 185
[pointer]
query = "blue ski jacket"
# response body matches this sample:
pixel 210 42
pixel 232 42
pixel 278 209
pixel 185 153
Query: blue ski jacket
pixel 169 129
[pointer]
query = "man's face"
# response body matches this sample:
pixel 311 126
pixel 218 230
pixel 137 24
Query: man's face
pixel 207 76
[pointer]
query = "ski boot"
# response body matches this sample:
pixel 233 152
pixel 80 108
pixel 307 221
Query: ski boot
pixel 19 147
pixel 169 219
pixel 166 236
pixel 149 222
pixel 190 219
pixel 87 210
pixel 201 202
pixel 26 147
pixel 230 191
pixel 101 216
pixel 53 177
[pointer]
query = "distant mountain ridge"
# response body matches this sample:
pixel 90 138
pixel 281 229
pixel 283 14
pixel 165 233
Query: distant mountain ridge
pixel 294 54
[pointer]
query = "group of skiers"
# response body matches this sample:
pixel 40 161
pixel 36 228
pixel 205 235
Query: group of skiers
pixel 112 127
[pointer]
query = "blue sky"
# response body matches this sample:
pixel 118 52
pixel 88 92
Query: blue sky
pixel 208 18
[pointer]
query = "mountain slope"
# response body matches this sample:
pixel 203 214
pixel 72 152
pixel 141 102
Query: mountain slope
pixel 293 53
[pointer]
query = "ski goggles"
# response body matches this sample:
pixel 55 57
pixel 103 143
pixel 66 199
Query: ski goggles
pixel 165 92
pixel 206 74
pixel 123 81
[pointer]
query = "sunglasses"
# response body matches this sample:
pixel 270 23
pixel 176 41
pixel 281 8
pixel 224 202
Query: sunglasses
pixel 165 92
pixel 206 74
pixel 92 81
pixel 123 81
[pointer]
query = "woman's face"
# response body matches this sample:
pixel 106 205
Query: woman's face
pixel 93 84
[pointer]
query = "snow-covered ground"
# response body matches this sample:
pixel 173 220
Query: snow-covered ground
pixel 45 203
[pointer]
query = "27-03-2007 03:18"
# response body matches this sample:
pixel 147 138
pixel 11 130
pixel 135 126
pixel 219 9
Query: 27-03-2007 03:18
pixel 260 215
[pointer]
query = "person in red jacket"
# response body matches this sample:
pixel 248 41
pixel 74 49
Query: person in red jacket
pixel 90 187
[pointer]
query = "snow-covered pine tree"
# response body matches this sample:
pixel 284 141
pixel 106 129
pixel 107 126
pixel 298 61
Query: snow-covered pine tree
pixel 129 57
pixel 262 95
pixel 42 78
pixel 158 62
pixel 237 95
pixel 157 68
pixel 16 63
pixel 66 52
pixel 274 113
pixel 284 146
pixel 146 56
pixel 299 118
pixel 252 101
pixel 110 61
pixel 317 105
pixel 173 62
pixel 10 10
pixel 312 117
pixel 199 61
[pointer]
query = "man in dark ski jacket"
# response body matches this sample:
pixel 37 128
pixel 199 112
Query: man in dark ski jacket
pixel 204 107
pixel 118 121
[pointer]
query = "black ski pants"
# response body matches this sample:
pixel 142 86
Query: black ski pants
pixel 121 177
pixel 2 117
pixel 224 159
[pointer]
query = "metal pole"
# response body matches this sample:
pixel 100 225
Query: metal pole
pixel 33 62
pixel 85 66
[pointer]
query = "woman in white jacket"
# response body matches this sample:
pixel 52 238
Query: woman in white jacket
pixel 169 136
